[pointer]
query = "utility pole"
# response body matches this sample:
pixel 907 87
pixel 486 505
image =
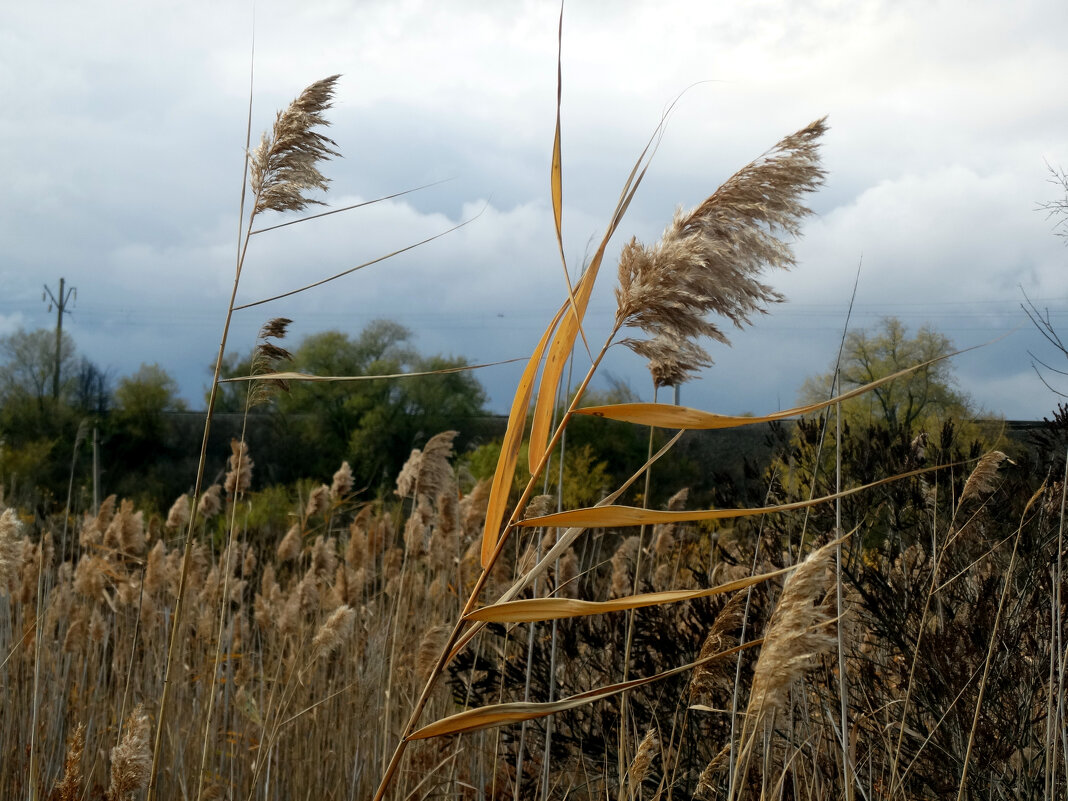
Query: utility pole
pixel 60 304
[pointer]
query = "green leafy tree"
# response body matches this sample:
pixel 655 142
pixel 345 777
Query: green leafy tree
pixel 143 451
pixel 373 424
pixel 33 426
pixel 921 400
pixel 918 420
pixel 143 398
pixel 29 360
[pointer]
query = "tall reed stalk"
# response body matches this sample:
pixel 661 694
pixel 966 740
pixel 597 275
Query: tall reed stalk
pixel 707 263
pixel 281 171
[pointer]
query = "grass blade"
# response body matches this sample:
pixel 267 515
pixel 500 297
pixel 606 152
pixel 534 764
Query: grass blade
pixel 289 376
pixel 565 337
pixel 530 610
pixel 513 438
pixel 619 516
pixel 663 415
pixel 487 717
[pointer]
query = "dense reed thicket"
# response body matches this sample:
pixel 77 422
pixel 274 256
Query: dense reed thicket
pixel 320 642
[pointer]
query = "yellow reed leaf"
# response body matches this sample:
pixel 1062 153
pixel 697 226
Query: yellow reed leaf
pixel 513 438
pixel 619 516
pixel 664 415
pixel 502 714
pixel 565 337
pixel 534 609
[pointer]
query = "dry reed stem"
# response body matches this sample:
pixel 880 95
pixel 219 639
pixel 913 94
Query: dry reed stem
pixel 281 169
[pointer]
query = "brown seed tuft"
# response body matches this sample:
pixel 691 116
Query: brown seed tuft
pixel 717 674
pixel 239 477
pixel 623 563
pixel 318 501
pixel 797 634
pixel 10 548
pixel 981 481
pixel 275 328
pixel 708 260
pixel 131 759
pixel 342 484
pixel 430 646
pixel 334 632
pixel 283 167
pixel 290 546
pixel 178 516
pixel 643 759
pixel 210 503
pixel 69 788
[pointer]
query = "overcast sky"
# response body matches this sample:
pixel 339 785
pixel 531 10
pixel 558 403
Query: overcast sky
pixel 124 126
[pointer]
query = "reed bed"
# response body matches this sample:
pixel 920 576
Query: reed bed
pixel 320 639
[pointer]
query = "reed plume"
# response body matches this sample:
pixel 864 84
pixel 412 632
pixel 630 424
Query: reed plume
pixel 981 481
pixel 797 634
pixel 708 261
pixel 269 357
pixel 342 483
pixel 130 759
pixel 290 546
pixel 10 548
pixel 318 501
pixel 283 167
pixel 334 632
pixel 722 636
pixel 643 759
pixel 239 477
pixel 69 788
pixel 428 471
pixel 210 503
pixel 178 515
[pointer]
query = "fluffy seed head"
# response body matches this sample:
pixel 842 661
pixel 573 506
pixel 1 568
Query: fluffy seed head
pixel 430 646
pixel 708 260
pixel 643 758
pixel 428 472
pixel 981 481
pixel 290 546
pixel 210 503
pixel 10 548
pixel 334 632
pixel 239 477
pixel 284 166
pixel 269 358
pixel 318 501
pixel 131 759
pixel 797 634
pixel 342 484
pixel 69 788
pixel 718 673
pixel 178 516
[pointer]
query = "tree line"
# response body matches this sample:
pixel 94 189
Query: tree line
pixel 146 445
pixel 146 438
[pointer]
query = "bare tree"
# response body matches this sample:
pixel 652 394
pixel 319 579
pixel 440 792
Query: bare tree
pixel 1057 210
